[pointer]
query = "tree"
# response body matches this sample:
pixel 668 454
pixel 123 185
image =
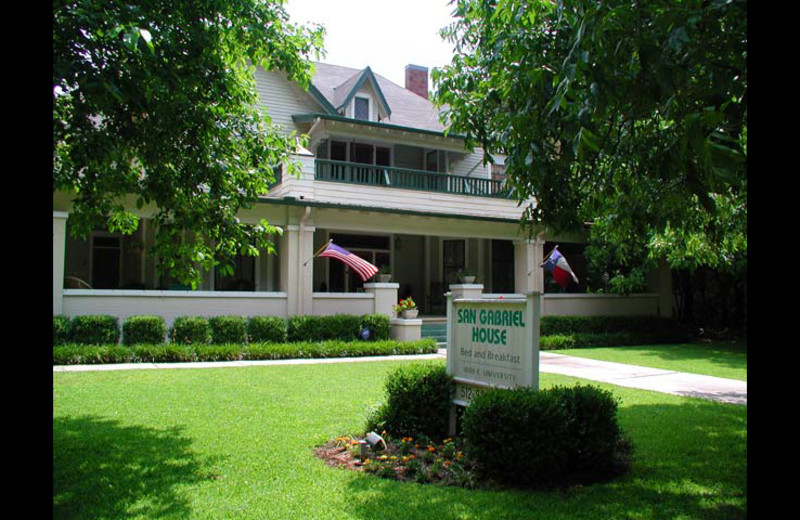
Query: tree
pixel 154 102
pixel 629 115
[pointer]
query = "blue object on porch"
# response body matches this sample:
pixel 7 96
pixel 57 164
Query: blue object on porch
pixel 365 334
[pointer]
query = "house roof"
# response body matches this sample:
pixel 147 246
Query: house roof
pixel 334 86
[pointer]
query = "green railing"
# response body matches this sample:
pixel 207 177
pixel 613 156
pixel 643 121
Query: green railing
pixel 373 175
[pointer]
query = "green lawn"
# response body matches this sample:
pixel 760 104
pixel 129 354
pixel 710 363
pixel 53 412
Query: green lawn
pixel 712 359
pixel 237 443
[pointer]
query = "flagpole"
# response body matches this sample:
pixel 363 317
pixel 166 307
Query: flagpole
pixel 320 250
pixel 548 255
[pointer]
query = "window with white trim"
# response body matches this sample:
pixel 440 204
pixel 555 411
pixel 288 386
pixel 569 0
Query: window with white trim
pixel 361 108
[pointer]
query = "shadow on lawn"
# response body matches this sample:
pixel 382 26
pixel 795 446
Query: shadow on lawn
pixel 730 355
pixel 102 469
pixel 690 460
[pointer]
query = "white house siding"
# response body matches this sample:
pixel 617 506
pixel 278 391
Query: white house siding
pixel 470 166
pixel 281 99
pixel 326 304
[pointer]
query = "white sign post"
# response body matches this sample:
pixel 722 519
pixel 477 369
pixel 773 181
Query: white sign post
pixel 492 343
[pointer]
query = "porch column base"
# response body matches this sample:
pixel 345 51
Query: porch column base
pixel 406 330
pixel 467 290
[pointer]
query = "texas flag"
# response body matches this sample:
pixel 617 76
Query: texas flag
pixel 557 264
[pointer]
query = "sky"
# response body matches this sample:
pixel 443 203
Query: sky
pixel 385 35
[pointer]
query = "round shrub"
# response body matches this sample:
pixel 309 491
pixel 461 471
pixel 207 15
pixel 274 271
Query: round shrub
pixel 417 402
pixel 60 330
pixel 137 330
pixel 228 329
pixel 266 329
pixel 94 330
pixel 190 330
pixel 550 438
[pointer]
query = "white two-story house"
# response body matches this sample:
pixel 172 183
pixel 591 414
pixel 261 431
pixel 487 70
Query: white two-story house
pixel 382 179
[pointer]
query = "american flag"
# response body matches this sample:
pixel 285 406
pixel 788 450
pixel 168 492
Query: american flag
pixel 364 269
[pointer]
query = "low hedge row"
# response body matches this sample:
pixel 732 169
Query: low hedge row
pixel 552 325
pixel 198 330
pixel 610 339
pixel 74 354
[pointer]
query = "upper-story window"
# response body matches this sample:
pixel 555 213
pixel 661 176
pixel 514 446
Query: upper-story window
pixel 498 172
pixel 361 108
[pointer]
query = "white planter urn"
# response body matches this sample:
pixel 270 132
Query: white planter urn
pixel 410 313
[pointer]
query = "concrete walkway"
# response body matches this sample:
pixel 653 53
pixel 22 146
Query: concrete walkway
pixel 633 376
pixel 645 378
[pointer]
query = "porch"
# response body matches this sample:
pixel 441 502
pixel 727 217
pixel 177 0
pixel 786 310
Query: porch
pixel 409 179
pixel 424 255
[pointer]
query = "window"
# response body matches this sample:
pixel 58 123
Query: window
pixel 498 172
pixel 453 260
pixel 338 151
pixel 361 108
pixel 242 279
pixel 106 264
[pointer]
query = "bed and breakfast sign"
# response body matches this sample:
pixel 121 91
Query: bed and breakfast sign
pixel 493 343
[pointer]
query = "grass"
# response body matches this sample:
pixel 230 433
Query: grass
pixel 727 360
pixel 237 443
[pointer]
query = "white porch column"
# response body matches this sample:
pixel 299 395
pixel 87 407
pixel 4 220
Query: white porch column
pixel 297 248
pixel 59 242
pixel 528 256
pixel 385 296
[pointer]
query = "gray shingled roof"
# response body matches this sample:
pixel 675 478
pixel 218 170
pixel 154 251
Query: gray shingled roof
pixel 408 109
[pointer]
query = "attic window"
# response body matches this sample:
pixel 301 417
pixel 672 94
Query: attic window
pixel 361 108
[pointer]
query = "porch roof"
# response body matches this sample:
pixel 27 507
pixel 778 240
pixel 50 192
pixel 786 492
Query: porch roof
pixel 293 201
pixel 315 116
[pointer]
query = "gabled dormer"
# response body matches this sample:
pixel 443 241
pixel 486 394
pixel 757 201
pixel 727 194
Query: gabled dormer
pixel 361 97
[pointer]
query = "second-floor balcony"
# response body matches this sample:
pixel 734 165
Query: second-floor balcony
pixel 404 178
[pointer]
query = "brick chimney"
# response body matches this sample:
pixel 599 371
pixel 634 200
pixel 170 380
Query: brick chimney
pixel 417 80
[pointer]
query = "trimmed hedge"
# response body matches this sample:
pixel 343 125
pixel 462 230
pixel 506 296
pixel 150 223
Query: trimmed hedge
pixel 322 328
pixel 228 329
pixel 552 325
pixel 94 330
pixel 262 329
pixel 137 330
pixel 190 330
pixel 563 332
pixel 60 330
pixel 552 438
pixel 72 354
pixel 379 324
pixel 417 402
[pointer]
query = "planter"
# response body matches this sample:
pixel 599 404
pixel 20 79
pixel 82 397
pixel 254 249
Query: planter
pixel 467 279
pixel 410 313
pixel 384 278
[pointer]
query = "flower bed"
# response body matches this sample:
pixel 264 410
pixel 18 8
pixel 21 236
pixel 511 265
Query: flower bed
pixel 405 459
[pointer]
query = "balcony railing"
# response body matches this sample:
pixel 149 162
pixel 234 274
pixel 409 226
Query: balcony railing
pixel 386 176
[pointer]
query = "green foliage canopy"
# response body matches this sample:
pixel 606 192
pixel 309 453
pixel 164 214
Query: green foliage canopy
pixel 154 102
pixel 629 115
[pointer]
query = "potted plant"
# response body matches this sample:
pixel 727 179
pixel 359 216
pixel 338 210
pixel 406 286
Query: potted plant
pixel 384 274
pixel 407 308
pixel 466 276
